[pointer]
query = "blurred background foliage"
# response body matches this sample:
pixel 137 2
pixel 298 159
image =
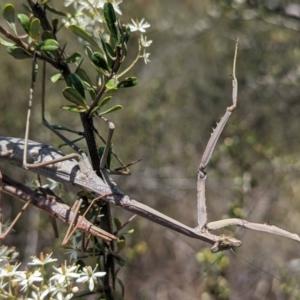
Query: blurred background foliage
pixel 167 120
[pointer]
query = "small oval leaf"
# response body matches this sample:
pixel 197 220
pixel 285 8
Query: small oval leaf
pixel 110 18
pixel 55 25
pixel 99 60
pixel 46 35
pixel 84 76
pixel 48 45
pixel 73 58
pixel 34 30
pixel 96 108
pixel 18 52
pixel 92 93
pixel 74 96
pixel 24 21
pixel 88 51
pixel 9 16
pixel 6 43
pixel 121 243
pixel 110 110
pixel 104 101
pixel 73 80
pixel 128 82
pixel 111 86
pixel 55 11
pixel 117 222
pixel 55 77
pixel 83 34
pixel 75 109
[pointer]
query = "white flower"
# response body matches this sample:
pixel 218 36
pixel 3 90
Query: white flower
pixel 116 6
pixel 38 296
pixel 55 287
pixel 139 25
pixel 10 270
pixel 90 6
pixel 90 275
pixel 42 261
pixel 27 278
pixel 144 41
pixel 145 56
pixel 69 2
pixel 64 273
pixel 60 296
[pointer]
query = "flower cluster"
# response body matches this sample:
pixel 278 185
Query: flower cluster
pixel 89 16
pixel 33 284
pixel 141 26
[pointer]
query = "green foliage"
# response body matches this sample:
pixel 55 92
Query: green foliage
pixel 110 53
pixel 25 22
pixel 8 13
pixel 128 82
pixel 17 52
pixel 48 45
pixel 111 22
pixel 34 30
pixel 80 32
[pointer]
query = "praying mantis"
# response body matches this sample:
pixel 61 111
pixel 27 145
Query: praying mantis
pixel 77 170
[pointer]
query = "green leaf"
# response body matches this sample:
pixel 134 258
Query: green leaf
pixel 108 50
pixel 83 34
pixel 96 108
pixel 110 18
pixel 128 82
pixel 73 58
pixel 99 60
pixel 27 8
pixel 104 101
pixel 111 86
pixel 55 25
pixel 119 260
pixel 55 77
pixel 34 30
pixel 74 109
pixel 110 110
pixel 6 43
pixel 121 243
pixel 24 21
pixel 9 16
pixel 118 224
pixel 73 80
pixel 92 93
pixel 55 11
pixel 84 76
pixel 74 96
pixel 18 53
pixel 46 35
pixel 48 45
pixel 88 51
